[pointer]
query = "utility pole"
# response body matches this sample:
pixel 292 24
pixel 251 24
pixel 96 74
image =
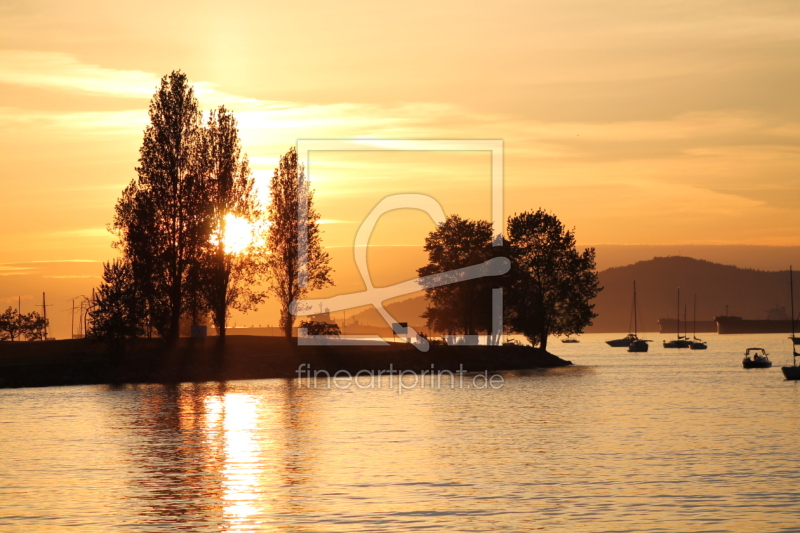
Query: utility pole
pixel 19 315
pixel 44 307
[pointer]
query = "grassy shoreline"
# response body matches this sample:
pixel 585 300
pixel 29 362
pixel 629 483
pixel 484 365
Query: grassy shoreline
pixel 81 362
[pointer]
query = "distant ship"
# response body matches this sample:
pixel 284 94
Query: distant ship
pixel 736 324
pixel 778 321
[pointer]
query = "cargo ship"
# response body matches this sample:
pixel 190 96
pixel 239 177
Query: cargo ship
pixel 777 321
pixel 736 324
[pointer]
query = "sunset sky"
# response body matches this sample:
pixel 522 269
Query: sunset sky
pixel 639 123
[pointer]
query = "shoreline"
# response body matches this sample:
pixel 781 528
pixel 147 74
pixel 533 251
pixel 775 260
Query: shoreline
pixel 240 357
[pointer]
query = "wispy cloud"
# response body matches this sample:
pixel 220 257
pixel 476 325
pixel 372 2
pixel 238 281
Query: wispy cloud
pixel 8 270
pixel 60 71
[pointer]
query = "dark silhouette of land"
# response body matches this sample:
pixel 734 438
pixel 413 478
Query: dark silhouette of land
pixel 81 362
pixel 748 293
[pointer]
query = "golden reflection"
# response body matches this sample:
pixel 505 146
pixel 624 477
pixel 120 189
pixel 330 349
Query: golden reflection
pixel 242 468
pixel 230 456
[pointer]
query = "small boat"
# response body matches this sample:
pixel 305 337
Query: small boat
pixel 681 341
pixel 696 344
pixel 759 359
pixel 624 342
pixel 637 345
pixel 569 341
pixel 792 372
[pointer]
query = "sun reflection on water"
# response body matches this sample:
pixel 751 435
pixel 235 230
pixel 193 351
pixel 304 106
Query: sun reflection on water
pixel 238 414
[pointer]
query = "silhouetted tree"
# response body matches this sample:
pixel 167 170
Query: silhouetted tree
pixel 33 326
pixel 228 276
pixel 118 311
pixel 161 219
pixel 464 306
pixel 551 284
pixel 10 325
pixel 283 261
pixel 14 326
pixel 321 329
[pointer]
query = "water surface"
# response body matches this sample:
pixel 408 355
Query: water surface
pixel 671 440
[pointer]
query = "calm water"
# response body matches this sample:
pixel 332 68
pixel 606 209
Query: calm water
pixel 667 441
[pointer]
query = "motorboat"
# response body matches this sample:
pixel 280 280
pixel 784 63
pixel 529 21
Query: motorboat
pixel 624 342
pixel 759 359
pixel 570 341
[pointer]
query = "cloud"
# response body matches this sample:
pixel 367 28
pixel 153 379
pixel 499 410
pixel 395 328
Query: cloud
pixel 8 270
pixel 60 71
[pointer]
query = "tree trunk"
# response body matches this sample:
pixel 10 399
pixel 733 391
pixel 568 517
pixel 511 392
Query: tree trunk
pixel 286 323
pixel 543 340
pixel 222 328
pixel 175 318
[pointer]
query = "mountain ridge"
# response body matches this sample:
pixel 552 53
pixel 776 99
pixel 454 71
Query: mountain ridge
pixel 747 292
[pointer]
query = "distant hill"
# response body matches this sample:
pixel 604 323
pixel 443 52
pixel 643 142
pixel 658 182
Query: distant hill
pixel 747 293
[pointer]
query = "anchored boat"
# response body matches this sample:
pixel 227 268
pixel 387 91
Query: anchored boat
pixel 759 359
pixel 792 372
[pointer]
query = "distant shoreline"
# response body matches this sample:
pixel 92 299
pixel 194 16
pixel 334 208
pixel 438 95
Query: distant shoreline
pixel 81 362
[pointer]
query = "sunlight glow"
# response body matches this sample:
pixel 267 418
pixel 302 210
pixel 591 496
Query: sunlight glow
pixel 239 234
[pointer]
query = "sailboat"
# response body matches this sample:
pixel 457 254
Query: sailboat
pixel 696 343
pixel 625 341
pixel 792 372
pixel 637 344
pixel 679 342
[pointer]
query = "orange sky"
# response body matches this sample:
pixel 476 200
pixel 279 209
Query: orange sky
pixel 646 123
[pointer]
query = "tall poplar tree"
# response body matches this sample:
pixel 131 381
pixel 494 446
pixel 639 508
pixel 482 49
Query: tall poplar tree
pixel 228 275
pixel 160 219
pixel 284 257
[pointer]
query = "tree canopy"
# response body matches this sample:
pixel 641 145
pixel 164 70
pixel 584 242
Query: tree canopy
pixel 14 326
pixel 462 307
pixel 551 284
pixel 171 224
pixel 285 257
pixel 227 276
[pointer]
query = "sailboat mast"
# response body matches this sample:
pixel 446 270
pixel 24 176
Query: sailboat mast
pixel 694 318
pixel 679 313
pixel 635 325
pixel 791 299
pixel 685 323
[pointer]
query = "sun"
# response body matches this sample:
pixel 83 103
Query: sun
pixel 238 234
